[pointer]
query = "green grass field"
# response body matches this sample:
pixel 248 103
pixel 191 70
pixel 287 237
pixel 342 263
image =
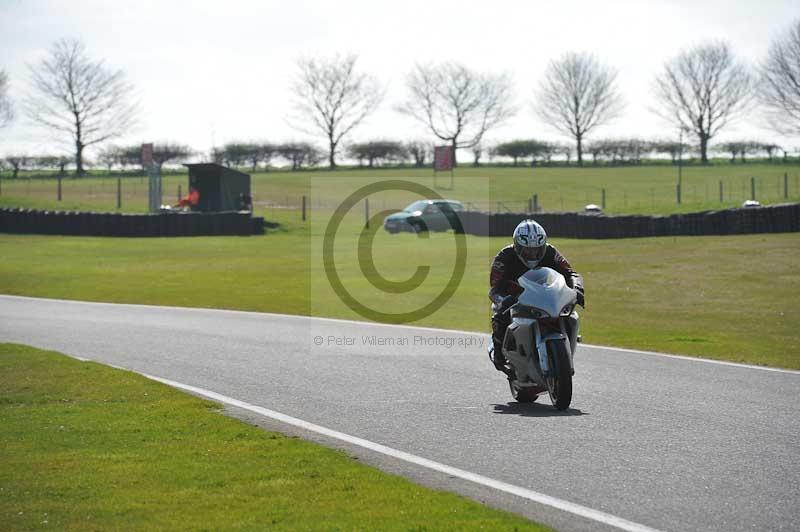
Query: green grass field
pixel 693 295
pixel 629 189
pixel 88 447
pixel 689 295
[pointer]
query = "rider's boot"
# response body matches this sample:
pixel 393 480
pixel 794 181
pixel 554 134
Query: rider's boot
pixel 498 359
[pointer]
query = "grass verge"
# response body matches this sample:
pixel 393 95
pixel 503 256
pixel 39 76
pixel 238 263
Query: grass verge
pixel 731 298
pixel 88 447
pixel 638 189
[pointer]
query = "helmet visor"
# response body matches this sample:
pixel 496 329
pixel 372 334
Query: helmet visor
pixel 530 254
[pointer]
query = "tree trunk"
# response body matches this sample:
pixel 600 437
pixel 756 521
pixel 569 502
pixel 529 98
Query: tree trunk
pixel 579 141
pixel 332 155
pixel 79 171
pixel 703 149
pixel 454 153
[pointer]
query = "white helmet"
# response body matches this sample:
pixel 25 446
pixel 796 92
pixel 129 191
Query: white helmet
pixel 530 242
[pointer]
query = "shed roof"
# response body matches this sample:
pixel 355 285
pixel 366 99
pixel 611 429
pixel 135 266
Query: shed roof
pixel 215 168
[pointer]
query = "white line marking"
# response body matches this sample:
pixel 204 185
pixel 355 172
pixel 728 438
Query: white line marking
pixel 376 324
pixel 695 359
pixel 566 506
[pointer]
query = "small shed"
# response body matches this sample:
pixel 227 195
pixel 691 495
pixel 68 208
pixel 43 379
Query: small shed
pixel 220 188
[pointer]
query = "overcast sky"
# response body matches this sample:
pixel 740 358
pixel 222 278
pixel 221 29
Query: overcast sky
pixel 221 70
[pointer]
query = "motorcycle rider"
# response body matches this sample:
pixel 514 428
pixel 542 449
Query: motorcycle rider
pixel 529 249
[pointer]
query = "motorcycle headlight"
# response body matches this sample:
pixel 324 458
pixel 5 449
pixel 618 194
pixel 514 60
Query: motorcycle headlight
pixel 568 308
pixel 529 312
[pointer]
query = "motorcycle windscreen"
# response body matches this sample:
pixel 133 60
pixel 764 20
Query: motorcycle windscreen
pixel 545 289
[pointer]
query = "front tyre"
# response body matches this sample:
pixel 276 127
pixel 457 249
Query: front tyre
pixel 559 384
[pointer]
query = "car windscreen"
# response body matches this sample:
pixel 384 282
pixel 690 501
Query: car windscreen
pixel 416 206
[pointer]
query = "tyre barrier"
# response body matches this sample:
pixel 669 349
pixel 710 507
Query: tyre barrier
pixel 31 221
pixel 783 218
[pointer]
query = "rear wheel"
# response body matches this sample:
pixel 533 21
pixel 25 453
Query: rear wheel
pixel 522 395
pixel 559 384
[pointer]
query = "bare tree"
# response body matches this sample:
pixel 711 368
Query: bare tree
pixel 702 90
pixel 235 154
pixel 779 89
pixel 109 156
pixel 457 104
pixel 165 151
pixel 670 147
pixel 578 94
pixel 131 156
pixel 517 149
pixel 332 99
pixel 6 109
pixel 419 151
pixel 299 154
pixel 76 95
pixel 376 151
pixel 477 152
pixel 17 162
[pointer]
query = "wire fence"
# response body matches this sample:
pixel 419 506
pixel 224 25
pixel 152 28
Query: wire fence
pixel 131 194
pixel 722 193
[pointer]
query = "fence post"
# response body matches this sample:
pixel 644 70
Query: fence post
pixel 119 193
pixel 536 203
pixel 604 199
pixel 366 213
pixel 721 194
pixel 59 188
pixel 304 209
pixel 752 188
pixel 785 185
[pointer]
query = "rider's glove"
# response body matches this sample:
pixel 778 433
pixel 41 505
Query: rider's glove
pixel 507 301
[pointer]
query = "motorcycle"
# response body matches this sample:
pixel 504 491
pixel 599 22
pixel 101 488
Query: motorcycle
pixel 539 344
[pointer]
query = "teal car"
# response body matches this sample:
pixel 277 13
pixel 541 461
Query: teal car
pixel 426 215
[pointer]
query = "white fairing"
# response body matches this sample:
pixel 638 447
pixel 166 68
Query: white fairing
pixel 545 289
pixel 545 295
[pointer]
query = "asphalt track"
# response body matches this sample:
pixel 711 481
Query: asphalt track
pixel 652 441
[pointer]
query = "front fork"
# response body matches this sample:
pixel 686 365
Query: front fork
pixel 569 326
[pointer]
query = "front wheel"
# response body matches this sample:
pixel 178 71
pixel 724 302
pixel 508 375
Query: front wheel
pixel 559 384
